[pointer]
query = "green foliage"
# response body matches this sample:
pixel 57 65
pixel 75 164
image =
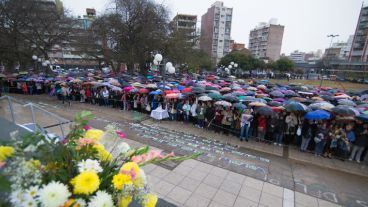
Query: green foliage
pixel 284 65
pixel 244 59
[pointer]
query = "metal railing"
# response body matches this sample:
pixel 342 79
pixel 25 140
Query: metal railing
pixel 33 108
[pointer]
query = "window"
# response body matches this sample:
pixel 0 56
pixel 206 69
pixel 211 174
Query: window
pixel 228 17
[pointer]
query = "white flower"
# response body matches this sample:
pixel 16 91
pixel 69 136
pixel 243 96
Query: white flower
pixel 53 194
pixel 17 198
pixel 101 199
pixel 123 147
pixel 29 201
pixel 89 166
pixel 32 191
pixel 80 202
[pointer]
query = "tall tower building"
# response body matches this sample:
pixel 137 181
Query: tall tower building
pixel 188 25
pixel 216 30
pixel 265 40
pixel 358 52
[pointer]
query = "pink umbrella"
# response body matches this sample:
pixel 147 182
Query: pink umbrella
pixel 128 88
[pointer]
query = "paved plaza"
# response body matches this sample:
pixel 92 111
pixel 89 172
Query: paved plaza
pixel 229 173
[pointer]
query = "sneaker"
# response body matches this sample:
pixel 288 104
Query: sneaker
pixel 275 143
pixel 280 145
pixel 358 161
pixel 350 159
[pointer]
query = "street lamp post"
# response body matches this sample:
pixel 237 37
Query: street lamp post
pixel 34 58
pixel 332 36
pixel 168 66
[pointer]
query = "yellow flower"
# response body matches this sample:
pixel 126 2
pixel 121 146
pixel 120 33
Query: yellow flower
pixel 102 153
pixel 150 200
pixel 119 180
pixel 132 169
pixel 5 152
pixel 35 163
pixel 94 134
pixel 125 201
pixel 85 183
pixel 138 183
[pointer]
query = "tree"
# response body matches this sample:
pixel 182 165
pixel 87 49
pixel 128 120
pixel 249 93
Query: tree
pixel 243 58
pixel 134 30
pixel 284 65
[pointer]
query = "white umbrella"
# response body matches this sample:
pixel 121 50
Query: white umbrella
pixel 205 98
pixel 223 103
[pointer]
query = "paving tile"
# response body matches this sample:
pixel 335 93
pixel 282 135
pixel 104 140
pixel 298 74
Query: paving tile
pixel 219 172
pixel 179 195
pixel 289 195
pixel 273 190
pixel 152 179
pixel 203 167
pixel 197 201
pixel 323 203
pixel 148 168
pixel 162 188
pixel 270 200
pixel 183 170
pixel 254 183
pixel 287 203
pixel 242 202
pixel 304 199
pixel 198 175
pixel 189 184
pixel 235 177
pixel 213 180
pixel 190 163
pixel 250 193
pixel 231 187
pixel 225 198
pixel 159 172
pixel 216 204
pixel 174 178
pixel 205 191
pixel 173 202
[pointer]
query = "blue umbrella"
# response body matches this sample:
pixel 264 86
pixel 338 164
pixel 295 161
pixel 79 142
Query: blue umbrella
pixel 180 88
pixel 155 93
pixel 240 106
pixel 363 117
pixel 318 115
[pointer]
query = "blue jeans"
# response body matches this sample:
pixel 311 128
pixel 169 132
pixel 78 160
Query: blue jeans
pixel 278 138
pixel 244 132
pixel 319 147
pixel 186 117
pixel 201 122
pixel 305 143
pixel 172 116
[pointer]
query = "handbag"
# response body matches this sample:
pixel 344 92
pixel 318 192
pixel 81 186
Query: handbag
pixel 299 131
pixel 148 107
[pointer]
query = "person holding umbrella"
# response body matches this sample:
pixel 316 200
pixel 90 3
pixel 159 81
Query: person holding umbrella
pixel 307 134
pixel 227 119
pixel 246 119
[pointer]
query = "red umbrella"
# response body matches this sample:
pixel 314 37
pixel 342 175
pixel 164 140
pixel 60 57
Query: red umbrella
pixel 187 90
pixel 169 91
pixel 143 90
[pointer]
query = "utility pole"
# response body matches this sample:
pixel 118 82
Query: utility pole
pixel 332 36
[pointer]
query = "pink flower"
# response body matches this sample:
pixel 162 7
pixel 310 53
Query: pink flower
pixel 122 135
pixel 2 164
pixel 137 159
pixel 154 154
pixel 132 173
pixel 86 141
pixel 64 141
pixel 171 154
pixel 87 127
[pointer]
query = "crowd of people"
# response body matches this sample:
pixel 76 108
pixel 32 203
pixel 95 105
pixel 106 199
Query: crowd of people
pixel 346 139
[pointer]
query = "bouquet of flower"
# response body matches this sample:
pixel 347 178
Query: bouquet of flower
pixel 77 171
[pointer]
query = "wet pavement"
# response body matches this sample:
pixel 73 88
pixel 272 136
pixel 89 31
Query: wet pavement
pixel 321 183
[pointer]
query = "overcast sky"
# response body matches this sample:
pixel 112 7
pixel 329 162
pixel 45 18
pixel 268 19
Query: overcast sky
pixel 307 22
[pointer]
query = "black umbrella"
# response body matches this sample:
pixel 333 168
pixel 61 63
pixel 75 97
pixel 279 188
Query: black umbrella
pixel 344 111
pixel 230 98
pixel 265 111
pixel 198 90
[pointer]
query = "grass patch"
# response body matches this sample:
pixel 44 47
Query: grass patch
pixel 325 83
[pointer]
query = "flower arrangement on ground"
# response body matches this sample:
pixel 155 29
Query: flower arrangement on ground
pixel 77 171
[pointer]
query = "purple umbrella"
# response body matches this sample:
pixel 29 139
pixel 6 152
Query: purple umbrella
pixel 278 99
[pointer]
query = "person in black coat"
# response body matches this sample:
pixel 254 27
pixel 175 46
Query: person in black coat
pixel 209 114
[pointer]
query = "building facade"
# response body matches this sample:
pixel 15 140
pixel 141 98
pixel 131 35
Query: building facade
pixel 216 30
pixel 265 41
pixel 358 52
pixel 297 56
pixel 186 24
pixel 234 46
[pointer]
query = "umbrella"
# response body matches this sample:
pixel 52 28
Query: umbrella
pixel 136 84
pixel 263 87
pixel 212 88
pixel 321 105
pixel 198 90
pixel 265 111
pixel 317 115
pixel 277 94
pixel 239 93
pixel 362 117
pixel 277 108
pixel 204 98
pixel 225 89
pixel 327 97
pixel 346 102
pixel 187 90
pixel 223 103
pixel 215 96
pixel 115 88
pixel 172 95
pixel 230 98
pixel 345 111
pixel 295 106
pixel 155 93
pixel 342 96
pixel 127 89
pixel 274 103
pixel 143 90
pixel 256 103
pixel 290 93
pixel 151 85
pixel 279 100
pixel 305 93
pixel 240 106
pixel 252 89
pixel 317 98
